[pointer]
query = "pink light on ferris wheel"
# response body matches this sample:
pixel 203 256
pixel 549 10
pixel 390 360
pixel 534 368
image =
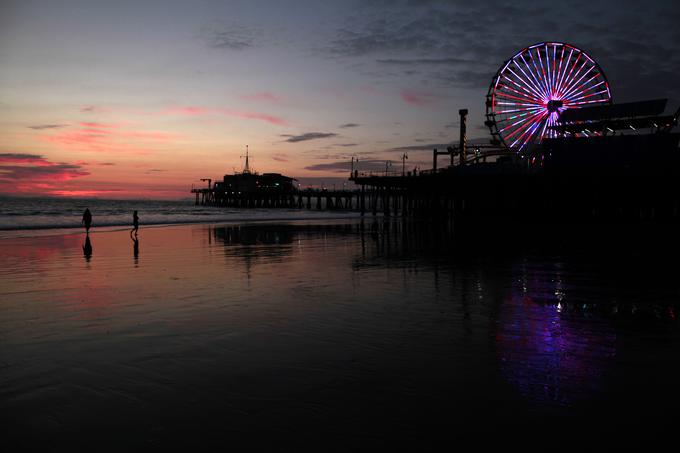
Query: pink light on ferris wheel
pixel 532 89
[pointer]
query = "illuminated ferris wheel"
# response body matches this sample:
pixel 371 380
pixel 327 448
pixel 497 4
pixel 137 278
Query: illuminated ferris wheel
pixel 532 88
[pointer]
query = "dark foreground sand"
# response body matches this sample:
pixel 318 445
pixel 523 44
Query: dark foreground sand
pixel 330 336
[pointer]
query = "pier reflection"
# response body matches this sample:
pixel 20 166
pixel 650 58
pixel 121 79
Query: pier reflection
pixel 558 310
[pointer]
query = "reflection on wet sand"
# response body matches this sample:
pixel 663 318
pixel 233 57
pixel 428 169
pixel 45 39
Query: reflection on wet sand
pixel 135 248
pixel 87 248
pixel 370 328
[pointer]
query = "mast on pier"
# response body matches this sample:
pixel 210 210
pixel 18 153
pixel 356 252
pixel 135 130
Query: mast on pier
pixel 246 169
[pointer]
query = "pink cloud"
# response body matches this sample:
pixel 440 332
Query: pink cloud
pixel 201 111
pixel 419 98
pixel 262 96
pixel 189 111
pixel 107 137
pixel 97 125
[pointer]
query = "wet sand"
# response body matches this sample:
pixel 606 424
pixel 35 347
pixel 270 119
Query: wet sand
pixel 334 336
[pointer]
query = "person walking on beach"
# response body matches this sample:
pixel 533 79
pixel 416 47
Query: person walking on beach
pixel 135 223
pixel 87 220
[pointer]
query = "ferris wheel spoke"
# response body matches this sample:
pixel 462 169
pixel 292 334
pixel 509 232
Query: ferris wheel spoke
pixel 518 126
pixel 545 125
pixel 554 75
pixel 513 104
pixel 588 96
pixel 561 77
pixel 541 72
pixel 523 93
pixel 564 83
pixel 513 117
pixel 550 66
pixel 535 117
pixel 529 133
pixel 517 98
pixel 573 81
pixel 528 89
pixel 528 82
pixel 583 87
pixel 579 92
pixel 592 101
pixel 520 139
pixel 544 93
pixel 545 69
pixel 517 123
pixel 523 109
pixel 522 99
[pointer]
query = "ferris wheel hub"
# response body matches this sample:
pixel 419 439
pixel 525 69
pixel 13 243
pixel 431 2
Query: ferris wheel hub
pixel 554 105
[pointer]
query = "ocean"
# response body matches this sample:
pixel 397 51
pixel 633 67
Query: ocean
pixel 17 215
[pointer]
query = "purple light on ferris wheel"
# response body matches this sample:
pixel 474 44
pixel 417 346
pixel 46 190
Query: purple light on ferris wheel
pixel 531 90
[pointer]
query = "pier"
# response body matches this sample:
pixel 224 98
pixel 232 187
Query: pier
pixel 604 162
pixel 313 199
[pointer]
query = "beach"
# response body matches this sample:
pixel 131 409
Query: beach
pixel 333 335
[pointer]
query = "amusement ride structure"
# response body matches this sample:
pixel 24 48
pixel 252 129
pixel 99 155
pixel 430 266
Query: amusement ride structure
pixel 552 122
pixel 535 86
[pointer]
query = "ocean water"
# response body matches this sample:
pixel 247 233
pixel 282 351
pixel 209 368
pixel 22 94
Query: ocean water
pixel 340 335
pixel 59 213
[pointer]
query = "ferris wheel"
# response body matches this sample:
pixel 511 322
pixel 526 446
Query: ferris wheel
pixel 531 90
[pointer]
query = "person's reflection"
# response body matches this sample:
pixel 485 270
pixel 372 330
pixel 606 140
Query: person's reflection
pixel 135 247
pixel 87 248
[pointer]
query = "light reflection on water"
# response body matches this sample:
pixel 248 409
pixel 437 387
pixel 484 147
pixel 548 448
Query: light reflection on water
pixel 326 326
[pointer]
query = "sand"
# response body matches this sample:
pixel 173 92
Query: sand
pixel 322 334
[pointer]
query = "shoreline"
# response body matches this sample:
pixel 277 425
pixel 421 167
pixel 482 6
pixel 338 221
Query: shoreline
pixel 66 231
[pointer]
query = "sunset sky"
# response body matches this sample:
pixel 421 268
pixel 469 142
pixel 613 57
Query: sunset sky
pixel 140 99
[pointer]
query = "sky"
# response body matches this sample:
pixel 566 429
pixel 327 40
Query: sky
pixel 142 99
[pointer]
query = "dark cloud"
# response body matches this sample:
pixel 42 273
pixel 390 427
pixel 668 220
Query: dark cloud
pixel 347 125
pixel 89 108
pixel 346 145
pixel 39 127
pixel 308 136
pixel 233 37
pixel 345 166
pixel 421 147
pixel 326 181
pixel 280 157
pixel 423 61
pixel 464 44
pixel 22 167
pixel 20 158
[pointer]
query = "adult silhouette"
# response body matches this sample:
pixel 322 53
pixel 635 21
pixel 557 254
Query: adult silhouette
pixel 87 220
pixel 135 223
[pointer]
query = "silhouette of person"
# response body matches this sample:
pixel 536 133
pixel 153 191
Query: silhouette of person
pixel 87 220
pixel 87 248
pixel 135 223
pixel 135 248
